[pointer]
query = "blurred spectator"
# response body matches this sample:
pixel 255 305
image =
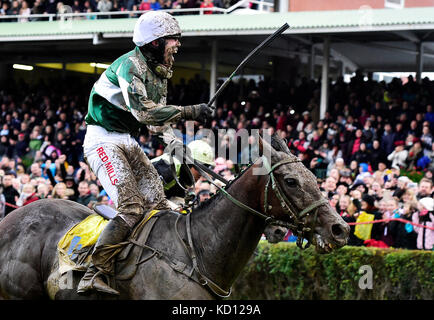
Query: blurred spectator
pixel 414 154
pixel 368 213
pixel 24 11
pixel 403 234
pixel 388 139
pixel 104 5
pixel 103 199
pixel 398 157
pixel 76 7
pixel 4 8
pixel 207 4
pixel 84 195
pixel 425 189
pixel 330 186
pixel 166 4
pixel 2 206
pixel 94 190
pixel 10 193
pixel 145 5
pixel 426 139
pixel 155 5
pixel 14 8
pixel 429 116
pixel 51 6
pixel 425 217
pixel 59 191
pixel 42 191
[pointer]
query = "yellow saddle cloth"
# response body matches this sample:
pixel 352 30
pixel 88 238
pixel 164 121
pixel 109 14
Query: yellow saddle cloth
pixel 74 248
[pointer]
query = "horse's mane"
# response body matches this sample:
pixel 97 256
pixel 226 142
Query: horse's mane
pixel 206 203
pixel 277 144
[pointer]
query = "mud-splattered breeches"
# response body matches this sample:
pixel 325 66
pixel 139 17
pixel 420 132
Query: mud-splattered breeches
pixel 125 172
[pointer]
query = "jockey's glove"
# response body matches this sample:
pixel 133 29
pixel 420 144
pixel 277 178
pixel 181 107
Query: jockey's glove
pixel 198 112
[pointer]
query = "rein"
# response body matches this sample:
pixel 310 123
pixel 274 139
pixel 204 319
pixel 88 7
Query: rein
pixel 297 226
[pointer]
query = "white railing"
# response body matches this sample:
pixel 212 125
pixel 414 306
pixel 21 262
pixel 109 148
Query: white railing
pixel 263 6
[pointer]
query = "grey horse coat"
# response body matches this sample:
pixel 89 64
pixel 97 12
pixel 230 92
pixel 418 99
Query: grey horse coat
pixel 223 235
pixel 28 266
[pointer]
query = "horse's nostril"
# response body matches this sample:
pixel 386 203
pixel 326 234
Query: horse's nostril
pixel 279 232
pixel 338 231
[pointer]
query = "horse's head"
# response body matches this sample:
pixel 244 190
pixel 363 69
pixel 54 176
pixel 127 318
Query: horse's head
pixel 292 196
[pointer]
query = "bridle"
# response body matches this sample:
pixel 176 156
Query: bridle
pixel 297 224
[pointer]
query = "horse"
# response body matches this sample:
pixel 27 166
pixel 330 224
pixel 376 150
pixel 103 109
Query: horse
pixel 182 257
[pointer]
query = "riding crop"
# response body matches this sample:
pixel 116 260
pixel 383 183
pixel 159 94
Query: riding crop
pixel 246 59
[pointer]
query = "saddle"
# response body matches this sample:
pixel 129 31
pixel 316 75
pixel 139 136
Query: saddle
pixel 75 248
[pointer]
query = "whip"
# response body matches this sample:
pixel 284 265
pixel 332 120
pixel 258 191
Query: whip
pixel 251 54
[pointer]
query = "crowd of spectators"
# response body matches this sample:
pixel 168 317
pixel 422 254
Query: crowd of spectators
pixel 372 152
pixel 26 8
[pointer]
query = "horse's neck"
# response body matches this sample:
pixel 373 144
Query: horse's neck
pixel 225 235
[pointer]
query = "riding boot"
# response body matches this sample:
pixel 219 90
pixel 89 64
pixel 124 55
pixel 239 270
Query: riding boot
pixel 103 257
pixel 92 281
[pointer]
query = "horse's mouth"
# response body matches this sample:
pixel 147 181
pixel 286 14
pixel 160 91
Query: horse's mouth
pixel 323 245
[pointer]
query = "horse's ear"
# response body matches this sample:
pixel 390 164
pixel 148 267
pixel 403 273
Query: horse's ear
pixel 260 145
pixel 265 148
pixel 279 144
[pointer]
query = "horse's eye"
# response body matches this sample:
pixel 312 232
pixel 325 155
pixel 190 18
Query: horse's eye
pixel 291 182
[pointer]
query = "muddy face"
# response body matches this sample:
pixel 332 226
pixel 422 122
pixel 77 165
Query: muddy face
pixel 172 45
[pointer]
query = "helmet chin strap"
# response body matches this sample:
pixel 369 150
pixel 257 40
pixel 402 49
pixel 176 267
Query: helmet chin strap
pixel 156 52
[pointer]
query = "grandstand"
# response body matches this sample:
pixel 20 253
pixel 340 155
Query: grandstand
pixel 322 44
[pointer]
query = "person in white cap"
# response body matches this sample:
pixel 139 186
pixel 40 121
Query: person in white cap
pixel 130 94
pixel 425 217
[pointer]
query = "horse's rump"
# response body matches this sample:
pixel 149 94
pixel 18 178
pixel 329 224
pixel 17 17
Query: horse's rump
pixel 28 240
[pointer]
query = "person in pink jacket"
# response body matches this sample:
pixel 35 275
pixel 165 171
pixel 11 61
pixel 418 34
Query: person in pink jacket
pixel 425 236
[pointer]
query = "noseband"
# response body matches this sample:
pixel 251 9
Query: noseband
pixel 298 224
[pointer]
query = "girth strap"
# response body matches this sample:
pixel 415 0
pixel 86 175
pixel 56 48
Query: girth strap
pixel 202 279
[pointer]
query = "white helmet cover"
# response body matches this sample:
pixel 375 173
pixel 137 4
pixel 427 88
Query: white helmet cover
pixel 153 25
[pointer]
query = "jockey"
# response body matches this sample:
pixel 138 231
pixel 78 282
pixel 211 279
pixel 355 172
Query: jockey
pixel 187 174
pixel 132 93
